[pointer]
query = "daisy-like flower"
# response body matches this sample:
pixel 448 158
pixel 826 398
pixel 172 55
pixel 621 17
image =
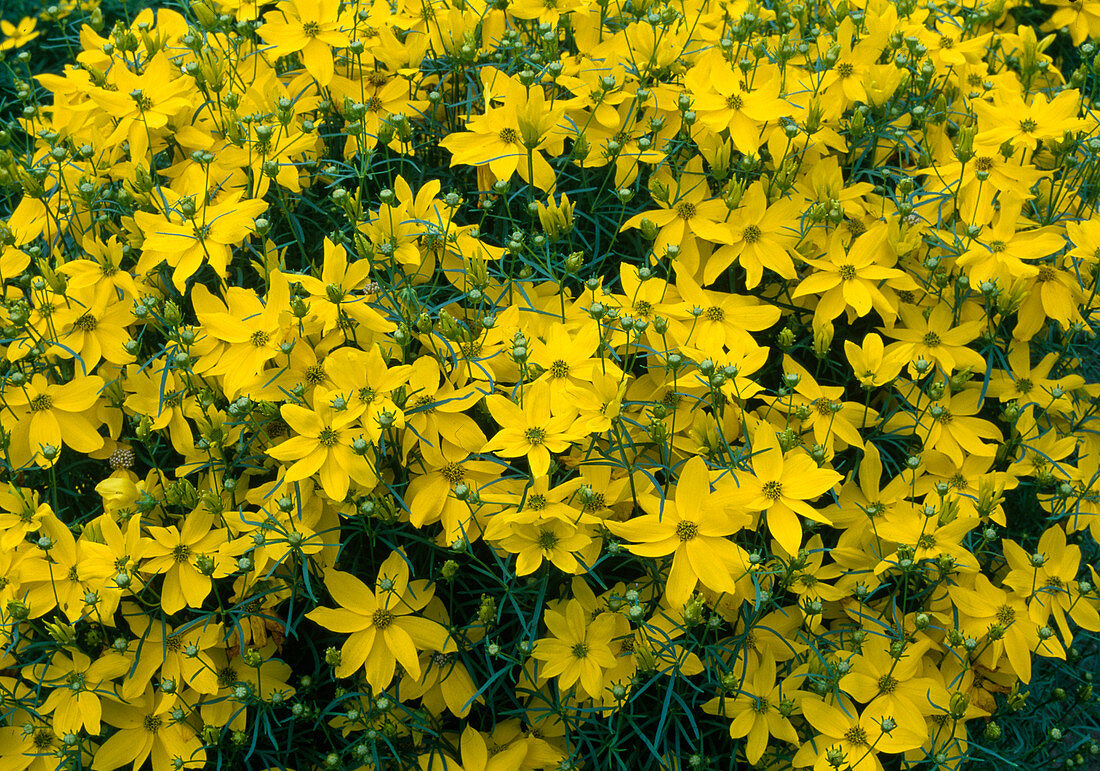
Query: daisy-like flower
pixel 782 486
pixel 531 430
pixel 383 628
pixel 938 339
pixel 762 236
pixel 580 650
pixel 325 445
pixel 18 35
pixel 853 740
pixel 311 28
pixel 42 415
pixel 759 709
pixel 693 527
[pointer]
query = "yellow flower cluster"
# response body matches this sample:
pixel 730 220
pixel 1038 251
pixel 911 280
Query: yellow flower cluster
pixel 439 385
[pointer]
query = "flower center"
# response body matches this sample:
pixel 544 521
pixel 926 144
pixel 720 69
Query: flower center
pixel 559 369
pixel 181 553
pixel 381 618
pixel 773 490
pixel 735 102
pixel 685 530
pixel 152 723
pixel 685 210
pixel 453 473
pixel 847 272
pixel 714 313
pixel 547 540
pixel 751 234
pixel 259 338
pixel 311 29
pixel 85 323
pixel 580 650
pixel 856 735
pixel 41 403
pixel 931 339
pixel 983 163
pixel 845 69
pixel 535 436
pixel 508 136
pixel 327 437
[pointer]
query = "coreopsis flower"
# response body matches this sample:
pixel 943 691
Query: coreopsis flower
pixel 781 486
pixel 178 554
pixel 530 430
pixel 157 391
pixel 475 755
pixel 726 100
pixel 1052 293
pixel 857 278
pixel 325 445
pixel 579 652
pixel 693 527
pixel 758 706
pixel 78 683
pixel 147 731
pixel 42 417
pixel 950 425
pixel 689 216
pixel 822 410
pixel 763 234
pixel 90 326
pixel 445 682
pixel 511 139
pixel 716 320
pixel 939 339
pixel 1080 18
pixel 891 683
pixel 982 178
pixel 74 575
pixel 380 621
pixel 310 28
pixel 1032 387
pixel 189 236
pixel 339 294
pixel 18 35
pixel 569 546
pixel 870 362
pixel 852 739
pixel 1012 118
pixel 990 614
pixel 141 104
pixel 1048 576
pixel 998 252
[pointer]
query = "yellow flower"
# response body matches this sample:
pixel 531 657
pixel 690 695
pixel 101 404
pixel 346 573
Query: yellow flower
pixel 43 415
pixel 759 707
pixel 694 527
pixel 78 683
pixel 383 629
pixel 17 36
pixel 939 339
pixel 175 553
pixel 852 739
pixel 311 28
pixel 530 430
pixel 324 445
pixel 148 731
pixel 580 650
pixel 782 486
